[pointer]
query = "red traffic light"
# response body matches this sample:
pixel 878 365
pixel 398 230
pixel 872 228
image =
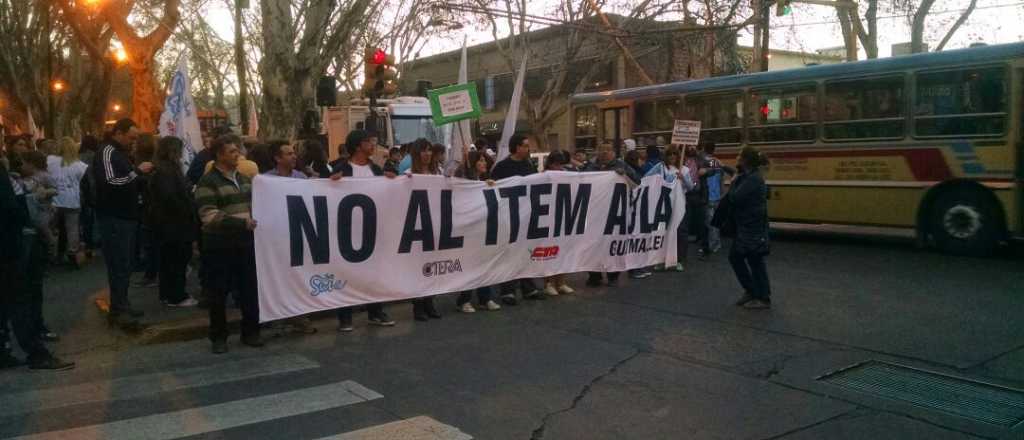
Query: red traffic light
pixel 379 57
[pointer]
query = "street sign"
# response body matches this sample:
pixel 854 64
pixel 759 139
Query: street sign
pixel 686 132
pixel 454 103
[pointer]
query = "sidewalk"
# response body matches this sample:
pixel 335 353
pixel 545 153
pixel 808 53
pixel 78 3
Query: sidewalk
pixel 76 303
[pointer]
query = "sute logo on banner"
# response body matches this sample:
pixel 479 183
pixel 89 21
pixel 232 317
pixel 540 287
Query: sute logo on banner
pixel 321 284
pixel 443 267
pixel 544 253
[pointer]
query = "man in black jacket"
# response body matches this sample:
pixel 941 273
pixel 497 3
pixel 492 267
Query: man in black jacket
pixel 360 146
pixel 117 209
pixel 517 164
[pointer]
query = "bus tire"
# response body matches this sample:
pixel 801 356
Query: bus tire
pixel 965 221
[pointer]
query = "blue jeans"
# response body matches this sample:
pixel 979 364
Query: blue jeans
pixel 714 238
pixel 118 240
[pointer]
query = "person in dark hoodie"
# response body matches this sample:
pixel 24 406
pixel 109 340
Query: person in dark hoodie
pixel 748 197
pixel 117 210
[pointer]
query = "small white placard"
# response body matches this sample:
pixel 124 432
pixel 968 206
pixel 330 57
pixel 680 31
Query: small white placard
pixel 686 132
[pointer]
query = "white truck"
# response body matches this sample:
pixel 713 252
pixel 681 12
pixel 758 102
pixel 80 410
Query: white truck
pixel 400 120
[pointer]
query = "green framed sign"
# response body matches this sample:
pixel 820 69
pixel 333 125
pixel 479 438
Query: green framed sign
pixel 454 103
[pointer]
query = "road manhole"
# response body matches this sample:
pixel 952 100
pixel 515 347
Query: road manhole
pixel 973 400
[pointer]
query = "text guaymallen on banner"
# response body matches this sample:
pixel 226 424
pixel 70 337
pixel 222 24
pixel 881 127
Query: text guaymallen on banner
pixel 325 244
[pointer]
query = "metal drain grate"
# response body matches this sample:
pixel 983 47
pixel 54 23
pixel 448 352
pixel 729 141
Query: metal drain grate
pixel 964 398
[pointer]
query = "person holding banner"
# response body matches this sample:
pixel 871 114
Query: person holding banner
pixel 477 167
pixel 359 146
pixel 555 284
pixel 224 197
pixel 423 162
pixel 606 161
pixel 517 164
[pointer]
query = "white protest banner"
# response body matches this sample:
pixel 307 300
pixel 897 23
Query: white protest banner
pixel 325 244
pixel 686 132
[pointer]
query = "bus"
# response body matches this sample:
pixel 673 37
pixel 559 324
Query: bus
pixel 930 141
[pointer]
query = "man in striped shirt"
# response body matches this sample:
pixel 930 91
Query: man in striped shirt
pixel 224 197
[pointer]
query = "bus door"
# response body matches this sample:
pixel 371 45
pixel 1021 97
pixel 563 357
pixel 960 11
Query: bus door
pixel 1019 172
pixel 615 125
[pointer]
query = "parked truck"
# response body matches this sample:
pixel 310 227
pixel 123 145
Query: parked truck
pixel 399 121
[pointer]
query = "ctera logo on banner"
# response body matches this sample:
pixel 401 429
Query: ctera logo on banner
pixel 376 234
pixel 442 267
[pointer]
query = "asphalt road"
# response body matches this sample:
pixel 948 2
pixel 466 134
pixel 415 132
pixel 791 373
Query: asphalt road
pixel 664 358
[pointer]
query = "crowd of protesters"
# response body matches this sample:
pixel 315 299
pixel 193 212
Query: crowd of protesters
pixel 130 195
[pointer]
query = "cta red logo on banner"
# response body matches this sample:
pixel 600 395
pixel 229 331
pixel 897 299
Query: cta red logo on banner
pixel 544 253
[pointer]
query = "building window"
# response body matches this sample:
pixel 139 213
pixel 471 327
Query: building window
pixel 586 121
pixel 786 114
pixel 869 108
pixel 720 116
pixel 657 116
pixel 968 102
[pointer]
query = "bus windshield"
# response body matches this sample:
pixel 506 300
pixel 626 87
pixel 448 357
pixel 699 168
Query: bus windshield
pixel 409 128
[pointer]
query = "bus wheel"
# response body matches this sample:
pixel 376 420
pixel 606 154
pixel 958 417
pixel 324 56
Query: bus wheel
pixel 965 222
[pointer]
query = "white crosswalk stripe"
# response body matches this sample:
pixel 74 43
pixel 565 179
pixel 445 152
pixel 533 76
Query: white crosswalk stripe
pixel 212 418
pixel 416 428
pixel 215 417
pixel 134 387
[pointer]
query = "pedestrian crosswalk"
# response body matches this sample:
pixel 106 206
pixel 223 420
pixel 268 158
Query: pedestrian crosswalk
pixel 215 417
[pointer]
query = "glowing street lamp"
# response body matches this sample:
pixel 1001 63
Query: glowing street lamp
pixel 58 86
pixel 120 55
pixel 116 108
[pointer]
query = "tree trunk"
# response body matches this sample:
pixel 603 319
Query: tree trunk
pixel 147 96
pixel 240 72
pixel 917 26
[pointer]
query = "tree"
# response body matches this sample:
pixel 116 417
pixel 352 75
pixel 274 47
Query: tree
pixel 299 42
pixel 147 95
pixel 94 36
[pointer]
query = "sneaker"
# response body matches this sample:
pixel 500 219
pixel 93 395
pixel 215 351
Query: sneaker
pixel 744 299
pixel 757 304
pixel 680 267
pixel 492 306
pixel 638 274
pixel 550 290
pixel 51 363
pixel 219 347
pixel 187 302
pixel 48 336
pixel 593 282
pixel 467 308
pixel 534 295
pixel 345 324
pixel 382 320
pixel 509 300
pixel 564 288
pixel 253 341
pixel 659 268
pixel 613 282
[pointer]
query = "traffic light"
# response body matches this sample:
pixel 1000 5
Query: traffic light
pixel 782 7
pixel 380 73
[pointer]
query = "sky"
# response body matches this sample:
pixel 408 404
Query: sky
pixel 808 28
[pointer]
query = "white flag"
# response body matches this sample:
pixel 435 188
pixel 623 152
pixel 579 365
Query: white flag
pixel 513 113
pixel 33 130
pixel 462 136
pixel 179 118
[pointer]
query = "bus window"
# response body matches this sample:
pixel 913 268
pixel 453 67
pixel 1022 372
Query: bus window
pixel 969 102
pixel 585 127
pixel 870 108
pixel 720 117
pixel 657 117
pixel 783 115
